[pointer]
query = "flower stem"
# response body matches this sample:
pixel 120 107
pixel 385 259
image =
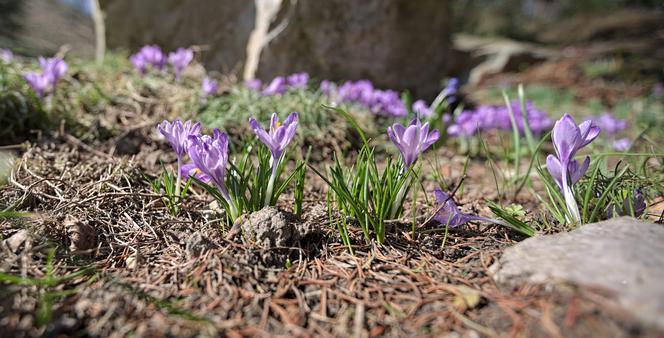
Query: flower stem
pixel 570 202
pixel 398 201
pixel 270 184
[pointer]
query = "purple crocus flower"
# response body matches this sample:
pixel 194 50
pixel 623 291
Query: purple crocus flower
pixel 210 156
pixel 568 138
pixel 420 108
pixel 39 83
pixel 622 144
pixel 52 69
pixel 6 55
pixel 298 80
pixel 412 140
pixel 609 123
pixel 449 214
pixel 253 84
pixel 277 86
pixel 191 170
pixel 154 56
pixel 180 59
pixel 139 63
pixel 327 87
pixel 148 56
pixel 209 86
pixel 177 134
pixel 278 136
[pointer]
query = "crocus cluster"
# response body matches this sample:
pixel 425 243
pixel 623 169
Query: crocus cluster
pixel 209 154
pixel 280 84
pixel 487 117
pixel 151 57
pixel 6 55
pixel 44 82
pixel 381 102
pixel 568 138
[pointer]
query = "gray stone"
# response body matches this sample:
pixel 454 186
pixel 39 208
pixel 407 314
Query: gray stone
pixel 622 255
pixel 397 44
pixel 220 27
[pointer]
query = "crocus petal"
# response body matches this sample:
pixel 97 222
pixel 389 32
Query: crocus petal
pixel 588 132
pixel 566 136
pixel 554 168
pixel 263 136
pixel 431 139
pixel 576 171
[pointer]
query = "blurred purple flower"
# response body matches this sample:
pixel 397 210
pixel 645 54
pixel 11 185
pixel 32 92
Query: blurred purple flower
pixel 210 156
pixel 449 214
pixel 568 139
pixel 412 140
pixel 465 124
pixel 609 123
pixel 451 89
pixel 39 83
pixel 180 59
pixel 278 136
pixel 150 55
pixel 253 84
pixel 139 63
pixel 52 69
pixel 277 86
pixel 177 134
pixel 327 87
pixel 209 86
pixel 190 169
pixel 622 144
pixel 488 117
pixel 420 108
pixel 298 80
pixel 658 90
pixel 6 55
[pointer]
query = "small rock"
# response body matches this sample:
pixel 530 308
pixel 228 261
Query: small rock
pixel 14 242
pixel 623 255
pixel 82 236
pixel 271 227
pixel 197 244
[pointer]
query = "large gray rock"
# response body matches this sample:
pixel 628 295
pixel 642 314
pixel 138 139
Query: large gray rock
pixel 623 255
pixel 395 43
pixel 221 26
